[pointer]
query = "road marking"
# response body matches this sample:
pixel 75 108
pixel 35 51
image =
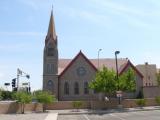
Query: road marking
pixel 138 113
pixel 52 116
pixel 117 117
pixel 124 114
pixel 85 116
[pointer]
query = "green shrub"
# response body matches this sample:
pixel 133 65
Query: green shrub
pixel 0 95
pixel 157 99
pixel 44 97
pixel 6 95
pixel 77 104
pixel 22 98
pixel 141 102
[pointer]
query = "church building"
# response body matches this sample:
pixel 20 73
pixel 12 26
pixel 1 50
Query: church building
pixel 68 79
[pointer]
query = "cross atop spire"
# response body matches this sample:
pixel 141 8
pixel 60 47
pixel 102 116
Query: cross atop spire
pixel 51 29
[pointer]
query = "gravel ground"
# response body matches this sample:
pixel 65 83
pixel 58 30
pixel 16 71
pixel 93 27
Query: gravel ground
pixel 33 116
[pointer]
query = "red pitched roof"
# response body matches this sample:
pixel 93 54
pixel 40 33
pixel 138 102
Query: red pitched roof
pixel 76 57
pixel 107 62
pixel 133 67
pixel 123 63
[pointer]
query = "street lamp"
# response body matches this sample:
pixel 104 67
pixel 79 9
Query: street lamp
pixel 98 57
pixel 116 53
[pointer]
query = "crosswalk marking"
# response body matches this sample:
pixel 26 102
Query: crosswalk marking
pixel 52 116
pixel 85 116
pixel 113 115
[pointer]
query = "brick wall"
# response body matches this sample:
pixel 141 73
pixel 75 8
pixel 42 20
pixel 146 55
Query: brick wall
pixel 12 107
pixel 66 105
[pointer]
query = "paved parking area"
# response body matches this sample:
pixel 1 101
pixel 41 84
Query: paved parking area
pixel 34 116
pixel 139 115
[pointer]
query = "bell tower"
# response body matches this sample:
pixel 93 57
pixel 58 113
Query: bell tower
pixel 50 60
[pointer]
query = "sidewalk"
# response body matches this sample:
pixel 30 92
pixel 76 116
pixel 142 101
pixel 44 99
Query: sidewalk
pixel 52 116
pixel 90 111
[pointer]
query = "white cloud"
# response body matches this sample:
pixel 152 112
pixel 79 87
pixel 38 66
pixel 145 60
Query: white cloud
pixel 106 11
pixel 89 16
pixel 30 3
pixel 120 8
pixel 36 4
pixel 22 33
pixel 131 14
pixel 11 47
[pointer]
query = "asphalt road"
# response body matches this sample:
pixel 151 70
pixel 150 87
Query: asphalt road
pixel 139 115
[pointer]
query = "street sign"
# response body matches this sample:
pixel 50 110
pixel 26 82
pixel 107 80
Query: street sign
pixel 106 99
pixel 6 84
pixel 24 83
pixel 119 93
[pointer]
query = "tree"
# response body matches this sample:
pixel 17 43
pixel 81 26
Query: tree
pixel 44 97
pixel 22 98
pixel 6 95
pixel 104 81
pixel 127 81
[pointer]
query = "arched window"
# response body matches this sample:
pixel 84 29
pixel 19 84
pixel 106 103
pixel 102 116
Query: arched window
pixel 50 50
pixel 76 88
pixel 50 83
pixel 66 88
pixel 50 86
pixel 86 90
pixel 50 68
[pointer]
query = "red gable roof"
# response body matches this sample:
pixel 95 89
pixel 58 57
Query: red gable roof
pixel 76 57
pixel 134 68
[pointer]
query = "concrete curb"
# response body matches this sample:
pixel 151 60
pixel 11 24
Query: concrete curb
pixel 107 111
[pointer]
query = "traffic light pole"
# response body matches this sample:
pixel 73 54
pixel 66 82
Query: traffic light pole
pixel 20 74
pixel 17 81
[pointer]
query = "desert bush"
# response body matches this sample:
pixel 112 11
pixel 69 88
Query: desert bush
pixel 141 102
pixel 157 99
pixel 44 97
pixel 76 104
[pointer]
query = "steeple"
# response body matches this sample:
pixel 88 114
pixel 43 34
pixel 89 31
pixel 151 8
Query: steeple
pixel 51 29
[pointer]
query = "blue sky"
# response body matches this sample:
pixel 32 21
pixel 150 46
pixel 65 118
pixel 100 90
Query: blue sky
pixel 131 26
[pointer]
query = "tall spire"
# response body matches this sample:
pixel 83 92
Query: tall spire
pixel 51 29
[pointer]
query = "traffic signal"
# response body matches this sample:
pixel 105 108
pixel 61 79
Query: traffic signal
pixel 27 76
pixel 14 82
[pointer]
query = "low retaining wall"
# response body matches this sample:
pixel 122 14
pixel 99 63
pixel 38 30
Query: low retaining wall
pixel 129 103
pixel 66 105
pixel 12 107
pixel 113 103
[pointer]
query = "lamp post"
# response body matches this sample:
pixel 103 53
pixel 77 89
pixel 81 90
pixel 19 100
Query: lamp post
pixel 98 57
pixel 116 53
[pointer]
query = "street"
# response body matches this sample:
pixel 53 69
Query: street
pixel 139 115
